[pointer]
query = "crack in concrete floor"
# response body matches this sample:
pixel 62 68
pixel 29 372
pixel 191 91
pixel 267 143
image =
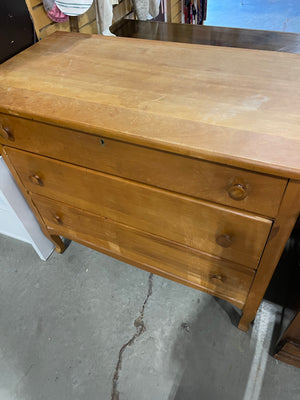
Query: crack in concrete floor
pixel 140 329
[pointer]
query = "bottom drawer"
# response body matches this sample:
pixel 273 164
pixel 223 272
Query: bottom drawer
pixel 155 254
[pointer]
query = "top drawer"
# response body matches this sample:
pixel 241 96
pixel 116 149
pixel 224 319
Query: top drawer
pixel 205 180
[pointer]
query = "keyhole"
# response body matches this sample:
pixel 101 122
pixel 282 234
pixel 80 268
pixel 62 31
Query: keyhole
pixel 102 142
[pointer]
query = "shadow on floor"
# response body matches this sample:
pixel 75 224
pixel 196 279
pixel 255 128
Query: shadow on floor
pixel 214 357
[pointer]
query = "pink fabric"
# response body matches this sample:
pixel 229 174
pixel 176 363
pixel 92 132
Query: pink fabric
pixel 56 15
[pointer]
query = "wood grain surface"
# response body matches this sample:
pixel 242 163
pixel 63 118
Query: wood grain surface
pixel 197 178
pixel 209 35
pixel 280 233
pixel 234 106
pixel 185 265
pixel 182 219
pixel 181 159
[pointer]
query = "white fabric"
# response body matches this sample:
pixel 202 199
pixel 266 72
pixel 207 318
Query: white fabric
pixel 74 7
pixel 107 32
pixel 105 9
pixel 145 7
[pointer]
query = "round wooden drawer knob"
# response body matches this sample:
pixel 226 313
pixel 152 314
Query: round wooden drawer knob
pixel 224 240
pixel 57 220
pixel 5 133
pixel 218 277
pixel 237 192
pixel 36 180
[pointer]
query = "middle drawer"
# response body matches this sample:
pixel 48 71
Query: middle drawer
pixel 233 235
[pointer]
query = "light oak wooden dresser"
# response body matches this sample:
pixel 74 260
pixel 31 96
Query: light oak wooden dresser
pixel 183 160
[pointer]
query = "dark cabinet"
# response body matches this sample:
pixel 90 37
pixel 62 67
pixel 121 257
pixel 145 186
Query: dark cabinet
pixel 16 28
pixel 288 347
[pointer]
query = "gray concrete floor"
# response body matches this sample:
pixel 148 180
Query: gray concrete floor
pixel 85 326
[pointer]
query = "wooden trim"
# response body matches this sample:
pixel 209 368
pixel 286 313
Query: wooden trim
pixel 35 22
pixel 43 25
pixel 91 27
pixel 289 352
pixel 35 3
pixel 55 239
pixel 121 10
pixel 279 235
pixel 288 359
pixel 74 24
pixel 288 348
pixel 169 6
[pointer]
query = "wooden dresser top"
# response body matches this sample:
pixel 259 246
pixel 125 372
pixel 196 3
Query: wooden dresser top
pixel 235 106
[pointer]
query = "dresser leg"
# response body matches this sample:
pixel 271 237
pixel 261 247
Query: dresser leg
pixel 244 323
pixel 59 244
pixel 279 235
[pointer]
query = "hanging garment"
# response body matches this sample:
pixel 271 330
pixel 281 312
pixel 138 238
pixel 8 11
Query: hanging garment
pixel 194 11
pixel 54 12
pixel 145 7
pixel 105 15
pixel 74 7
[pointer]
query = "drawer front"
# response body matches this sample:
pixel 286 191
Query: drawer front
pixel 217 183
pixel 168 259
pixel 236 236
